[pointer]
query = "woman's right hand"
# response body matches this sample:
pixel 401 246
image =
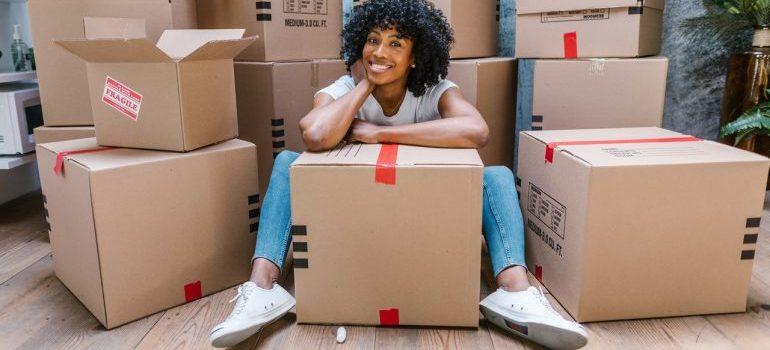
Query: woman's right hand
pixel 358 72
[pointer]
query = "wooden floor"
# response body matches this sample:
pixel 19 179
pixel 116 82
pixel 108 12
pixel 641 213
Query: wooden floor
pixel 38 312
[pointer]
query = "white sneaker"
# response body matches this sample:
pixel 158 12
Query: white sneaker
pixel 529 315
pixel 254 308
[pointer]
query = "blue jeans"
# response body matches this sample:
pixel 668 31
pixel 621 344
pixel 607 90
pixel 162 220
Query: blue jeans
pixel 503 225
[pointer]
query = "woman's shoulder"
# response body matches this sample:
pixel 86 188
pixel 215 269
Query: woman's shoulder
pixel 436 91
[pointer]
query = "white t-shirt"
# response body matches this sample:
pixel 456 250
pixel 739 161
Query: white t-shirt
pixel 413 109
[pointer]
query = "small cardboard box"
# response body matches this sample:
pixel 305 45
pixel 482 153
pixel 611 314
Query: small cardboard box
pixel 475 25
pixel 134 232
pixel 387 235
pixel 62 77
pixel 45 134
pixel 588 28
pixel 176 96
pixel 640 222
pixel 613 93
pixel 272 98
pixel 287 30
pixel 490 85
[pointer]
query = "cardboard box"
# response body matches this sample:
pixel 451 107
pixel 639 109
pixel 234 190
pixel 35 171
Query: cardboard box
pixel 45 134
pixel 613 93
pixel 490 85
pixel 387 235
pixel 272 98
pixel 176 96
pixel 287 30
pixel 134 232
pixel 588 28
pixel 62 77
pixel 475 25
pixel 635 224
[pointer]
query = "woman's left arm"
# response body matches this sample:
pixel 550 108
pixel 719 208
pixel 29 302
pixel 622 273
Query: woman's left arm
pixel 461 126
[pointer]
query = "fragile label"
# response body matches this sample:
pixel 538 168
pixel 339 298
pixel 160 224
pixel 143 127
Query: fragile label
pixel 547 210
pixel 576 15
pixel 119 96
pixel 307 7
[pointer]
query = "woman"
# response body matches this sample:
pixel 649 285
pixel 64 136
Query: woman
pixel 398 54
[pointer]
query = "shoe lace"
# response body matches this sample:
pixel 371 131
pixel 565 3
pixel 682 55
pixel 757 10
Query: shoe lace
pixel 540 296
pixel 240 298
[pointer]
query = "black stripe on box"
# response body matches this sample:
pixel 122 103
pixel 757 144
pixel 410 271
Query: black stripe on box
pixel 750 238
pixel 253 213
pixel 537 128
pixel 747 255
pixel 263 5
pixel 753 222
pixel 253 227
pixel 300 263
pixel 276 122
pixel 254 198
pixel 300 246
pixel 278 133
pixel 537 118
pixel 635 10
pixel 264 17
pixel 299 230
pixel 279 144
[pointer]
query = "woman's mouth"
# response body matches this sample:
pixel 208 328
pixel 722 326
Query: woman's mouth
pixel 379 68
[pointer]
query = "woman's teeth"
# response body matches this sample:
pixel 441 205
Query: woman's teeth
pixel 378 68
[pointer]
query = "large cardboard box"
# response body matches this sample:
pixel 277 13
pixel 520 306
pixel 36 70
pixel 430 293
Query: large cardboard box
pixel 286 30
pixel 640 222
pixel 475 25
pixel 176 96
pixel 62 77
pixel 272 98
pixel 590 93
pixel 490 85
pixel 45 134
pixel 588 28
pixel 387 235
pixel 134 232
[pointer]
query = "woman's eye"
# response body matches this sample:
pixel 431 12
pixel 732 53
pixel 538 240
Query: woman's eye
pixel 372 41
pixel 395 44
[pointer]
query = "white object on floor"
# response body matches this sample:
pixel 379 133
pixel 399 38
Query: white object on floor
pixel 528 314
pixel 254 308
pixel 341 335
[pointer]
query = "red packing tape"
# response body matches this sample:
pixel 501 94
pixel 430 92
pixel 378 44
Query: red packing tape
pixel 539 273
pixel 550 147
pixel 385 171
pixel 389 317
pixel 570 45
pixel 59 167
pixel 192 291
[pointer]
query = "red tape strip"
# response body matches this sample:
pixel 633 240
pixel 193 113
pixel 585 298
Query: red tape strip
pixel 385 171
pixel 551 147
pixel 192 291
pixel 59 167
pixel 539 273
pixel 570 45
pixel 389 317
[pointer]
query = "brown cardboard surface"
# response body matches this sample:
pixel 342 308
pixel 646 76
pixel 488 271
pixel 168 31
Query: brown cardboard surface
pixel 311 28
pixel 604 28
pixel 639 230
pixel 613 93
pixel 490 85
pixel 363 253
pixel 130 228
pixel 62 77
pixel 186 84
pixel 272 98
pixel 45 134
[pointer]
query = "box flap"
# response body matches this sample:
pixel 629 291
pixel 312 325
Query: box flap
pixel 114 28
pixel 114 50
pixel 538 6
pixel 639 146
pixel 179 43
pixel 220 49
pixel 358 154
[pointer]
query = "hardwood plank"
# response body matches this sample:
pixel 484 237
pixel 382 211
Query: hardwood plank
pixel 23 254
pixel 38 312
pixel 23 234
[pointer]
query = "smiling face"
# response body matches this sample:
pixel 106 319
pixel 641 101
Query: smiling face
pixel 387 56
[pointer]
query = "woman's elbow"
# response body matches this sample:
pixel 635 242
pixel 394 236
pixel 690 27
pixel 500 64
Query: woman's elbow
pixel 314 141
pixel 479 136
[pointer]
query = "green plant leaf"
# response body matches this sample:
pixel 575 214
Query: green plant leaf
pixel 754 122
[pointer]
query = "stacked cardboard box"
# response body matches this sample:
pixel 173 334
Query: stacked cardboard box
pixel 139 229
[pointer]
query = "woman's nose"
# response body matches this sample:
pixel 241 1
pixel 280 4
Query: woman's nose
pixel 380 51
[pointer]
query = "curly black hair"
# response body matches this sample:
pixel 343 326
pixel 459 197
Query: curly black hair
pixel 417 20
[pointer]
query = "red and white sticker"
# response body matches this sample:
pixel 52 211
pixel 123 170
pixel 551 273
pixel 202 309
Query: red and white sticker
pixel 119 96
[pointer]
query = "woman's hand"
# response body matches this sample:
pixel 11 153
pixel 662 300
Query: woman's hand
pixel 365 132
pixel 359 74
